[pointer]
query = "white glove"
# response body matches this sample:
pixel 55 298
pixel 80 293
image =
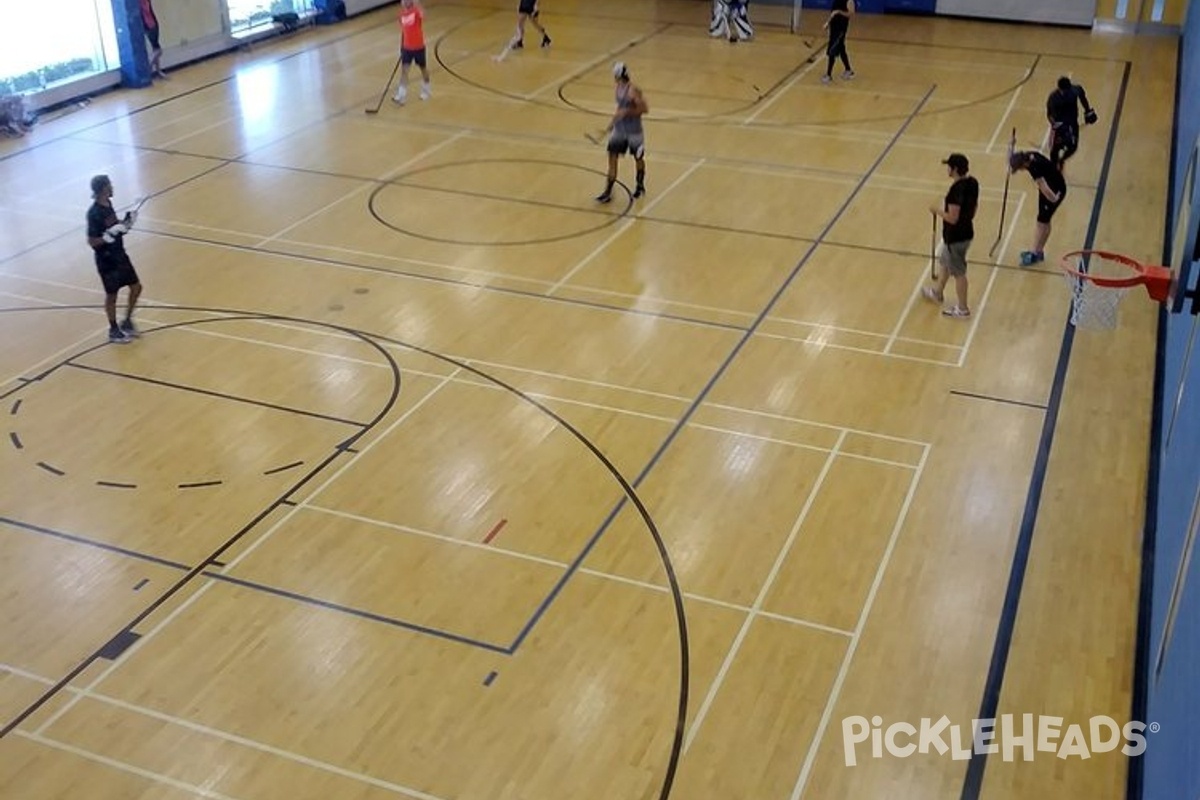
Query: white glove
pixel 119 229
pixel 108 237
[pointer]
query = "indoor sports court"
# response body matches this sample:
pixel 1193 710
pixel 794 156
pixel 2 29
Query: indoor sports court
pixel 429 477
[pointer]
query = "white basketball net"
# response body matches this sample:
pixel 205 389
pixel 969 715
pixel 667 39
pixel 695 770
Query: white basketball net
pixel 1093 306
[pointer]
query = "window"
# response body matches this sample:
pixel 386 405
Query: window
pixel 47 42
pixel 246 15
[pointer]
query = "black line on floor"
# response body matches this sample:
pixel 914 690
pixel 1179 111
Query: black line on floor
pixel 51 469
pixel 16 440
pixel 284 468
pixel 199 484
pixel 116 485
pixel 995 399
pixel 357 612
pixel 75 539
pixel 213 393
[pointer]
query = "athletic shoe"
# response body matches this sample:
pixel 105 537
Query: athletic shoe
pixel 130 330
pixel 1029 257
pixel 826 79
pixel 956 312
pixel 639 191
pixel 932 296
pixel 604 197
pixel 426 92
pixel 118 336
pixel 400 97
pixel 520 45
pixel 545 40
pixel 848 75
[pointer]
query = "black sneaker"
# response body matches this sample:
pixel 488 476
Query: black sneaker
pixel 118 336
pixel 520 45
pixel 130 330
pixel 604 197
pixel 545 40
pixel 639 191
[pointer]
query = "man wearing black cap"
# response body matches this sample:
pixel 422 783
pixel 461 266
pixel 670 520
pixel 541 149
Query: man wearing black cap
pixel 1052 188
pixel 958 229
pixel 1062 109
pixel 105 233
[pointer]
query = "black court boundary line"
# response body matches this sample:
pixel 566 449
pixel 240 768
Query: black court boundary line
pixel 356 612
pixel 1006 627
pixel 211 392
pixel 249 584
pixel 995 399
pixel 96 543
pixel 193 572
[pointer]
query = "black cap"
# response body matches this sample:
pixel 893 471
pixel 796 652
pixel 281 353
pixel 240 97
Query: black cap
pixel 959 162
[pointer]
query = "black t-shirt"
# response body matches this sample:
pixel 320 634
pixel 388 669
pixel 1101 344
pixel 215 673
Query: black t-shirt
pixel 839 22
pixel 1064 106
pixel 99 219
pixel 963 193
pixel 1042 167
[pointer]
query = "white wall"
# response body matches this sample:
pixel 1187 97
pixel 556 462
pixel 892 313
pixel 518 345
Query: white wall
pixel 1066 12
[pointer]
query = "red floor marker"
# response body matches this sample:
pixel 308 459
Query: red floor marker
pixel 492 533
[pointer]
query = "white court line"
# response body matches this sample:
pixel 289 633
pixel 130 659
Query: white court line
pixel 875 334
pixel 121 766
pixel 835 692
pixel 781 92
pixel 962 358
pixel 880 353
pixel 912 299
pixel 827 426
pixel 563 565
pixel 624 226
pixel 367 184
pixel 780 558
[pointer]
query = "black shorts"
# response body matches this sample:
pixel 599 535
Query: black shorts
pixel 116 275
pixel 1046 209
pixel 152 35
pixel 413 56
pixel 528 7
pixel 633 143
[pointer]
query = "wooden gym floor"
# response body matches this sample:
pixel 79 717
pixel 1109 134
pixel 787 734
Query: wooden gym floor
pixel 432 479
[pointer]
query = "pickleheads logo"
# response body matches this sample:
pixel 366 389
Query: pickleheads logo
pixel 1013 737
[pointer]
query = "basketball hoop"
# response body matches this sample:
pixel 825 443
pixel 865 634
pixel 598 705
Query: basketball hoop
pixel 1098 280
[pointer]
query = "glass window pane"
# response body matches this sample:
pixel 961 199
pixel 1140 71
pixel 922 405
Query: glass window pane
pixel 49 41
pixel 247 14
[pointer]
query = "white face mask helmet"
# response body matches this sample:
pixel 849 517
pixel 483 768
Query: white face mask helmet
pixel 620 71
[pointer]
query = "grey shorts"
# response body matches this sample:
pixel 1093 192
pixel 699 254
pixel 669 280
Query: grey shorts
pixel 632 143
pixel 953 257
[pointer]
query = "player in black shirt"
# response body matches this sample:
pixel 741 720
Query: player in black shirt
pixel 957 213
pixel 1062 110
pixel 838 25
pixel 105 233
pixel 1052 188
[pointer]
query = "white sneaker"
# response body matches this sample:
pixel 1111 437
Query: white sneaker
pixel 400 97
pixel 930 294
pixel 960 313
pixel 848 75
pixel 426 93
